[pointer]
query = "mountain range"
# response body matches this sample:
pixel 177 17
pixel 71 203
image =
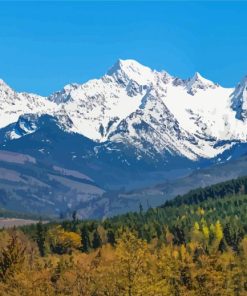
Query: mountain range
pixel 132 128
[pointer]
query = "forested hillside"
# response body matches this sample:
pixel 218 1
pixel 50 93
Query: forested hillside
pixel 194 245
pixel 232 187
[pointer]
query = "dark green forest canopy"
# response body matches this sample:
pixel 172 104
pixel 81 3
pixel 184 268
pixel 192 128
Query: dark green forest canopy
pixel 225 202
pixel 232 187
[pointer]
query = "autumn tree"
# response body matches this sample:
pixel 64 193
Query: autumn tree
pixel 12 258
pixel 62 241
pixel 134 272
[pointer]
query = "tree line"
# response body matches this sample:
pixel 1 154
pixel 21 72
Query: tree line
pixel 194 245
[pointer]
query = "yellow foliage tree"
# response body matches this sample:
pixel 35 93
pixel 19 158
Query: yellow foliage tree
pixel 62 241
pixel 133 261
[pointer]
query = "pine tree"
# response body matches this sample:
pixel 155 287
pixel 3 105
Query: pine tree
pixel 97 242
pixel 85 240
pixel 40 239
pixel 179 237
pixel 74 221
pixel 111 237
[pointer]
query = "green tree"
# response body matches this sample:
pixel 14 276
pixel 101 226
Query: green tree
pixel 40 238
pixel 111 237
pixel 85 239
pixel 74 221
pixel 97 242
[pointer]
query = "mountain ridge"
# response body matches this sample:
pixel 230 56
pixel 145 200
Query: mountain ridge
pixel 131 128
pixel 99 107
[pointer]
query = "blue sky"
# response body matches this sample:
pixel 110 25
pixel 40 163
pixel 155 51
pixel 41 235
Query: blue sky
pixel 45 45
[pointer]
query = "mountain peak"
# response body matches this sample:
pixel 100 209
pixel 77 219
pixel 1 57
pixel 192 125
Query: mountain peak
pixel 198 77
pixel 63 95
pixel 126 64
pixel 199 82
pixel 125 70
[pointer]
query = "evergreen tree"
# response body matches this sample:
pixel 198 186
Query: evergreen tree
pixel 40 238
pixel 85 240
pixel 178 234
pixel 222 246
pixel 111 237
pixel 97 242
pixel 74 221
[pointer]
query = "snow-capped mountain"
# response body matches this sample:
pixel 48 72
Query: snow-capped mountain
pixel 133 127
pixel 13 104
pixel 152 112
